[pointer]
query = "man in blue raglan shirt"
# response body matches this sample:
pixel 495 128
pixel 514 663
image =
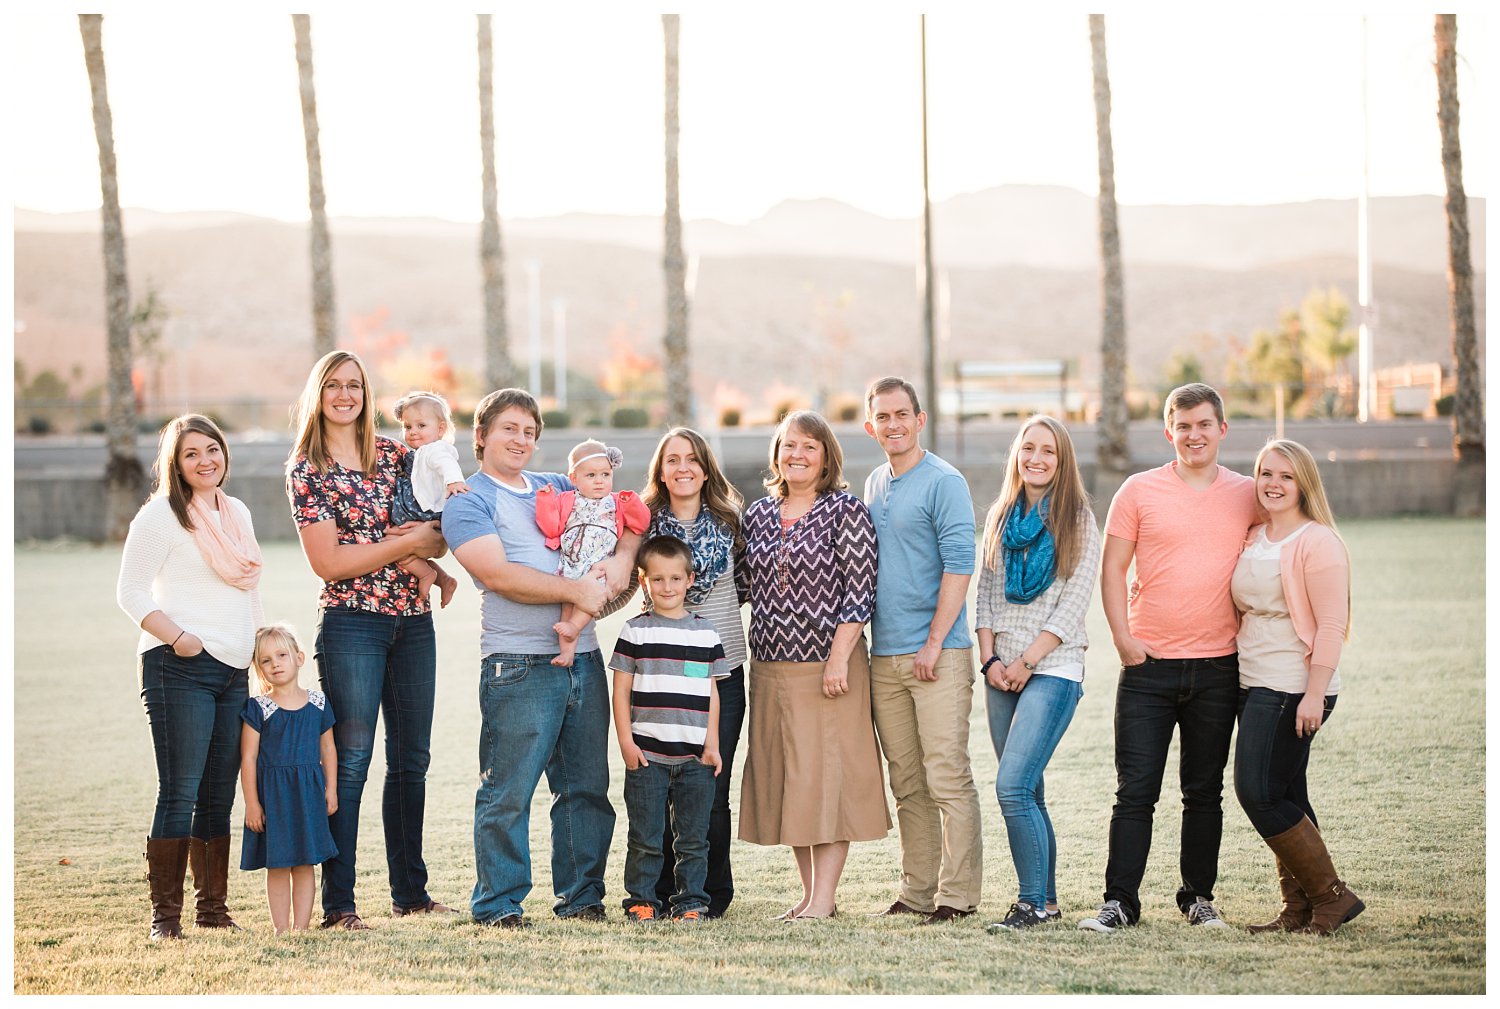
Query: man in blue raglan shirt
pixel 537 717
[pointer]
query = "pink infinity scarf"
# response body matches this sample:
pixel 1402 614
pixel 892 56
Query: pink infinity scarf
pixel 229 545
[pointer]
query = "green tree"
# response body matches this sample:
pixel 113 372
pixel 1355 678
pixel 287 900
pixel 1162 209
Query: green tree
pixel 124 476
pixel 1327 343
pixel 1183 367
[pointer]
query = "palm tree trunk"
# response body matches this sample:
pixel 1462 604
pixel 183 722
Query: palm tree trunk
pixel 674 264
pixel 497 364
pixel 124 477
pixel 1114 446
pixel 1468 399
pixel 321 249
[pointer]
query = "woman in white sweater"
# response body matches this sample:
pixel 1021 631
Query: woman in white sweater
pixel 188 578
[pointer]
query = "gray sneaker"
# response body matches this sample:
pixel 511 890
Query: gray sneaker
pixel 1108 918
pixel 1201 912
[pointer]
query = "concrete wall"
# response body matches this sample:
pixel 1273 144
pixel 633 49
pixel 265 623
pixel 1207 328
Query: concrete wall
pixel 54 506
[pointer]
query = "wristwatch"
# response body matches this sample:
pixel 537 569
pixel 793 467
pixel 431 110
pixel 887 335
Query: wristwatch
pixel 1030 666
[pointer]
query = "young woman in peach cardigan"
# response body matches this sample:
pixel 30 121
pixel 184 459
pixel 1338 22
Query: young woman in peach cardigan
pixel 1292 588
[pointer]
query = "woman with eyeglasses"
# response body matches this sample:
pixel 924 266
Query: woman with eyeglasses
pixel 375 648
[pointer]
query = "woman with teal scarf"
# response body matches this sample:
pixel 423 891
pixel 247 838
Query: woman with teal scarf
pixel 1040 562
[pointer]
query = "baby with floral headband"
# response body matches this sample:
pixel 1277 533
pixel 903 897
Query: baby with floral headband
pixel 585 524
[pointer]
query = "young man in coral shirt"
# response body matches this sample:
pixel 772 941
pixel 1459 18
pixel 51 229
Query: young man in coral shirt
pixel 1183 524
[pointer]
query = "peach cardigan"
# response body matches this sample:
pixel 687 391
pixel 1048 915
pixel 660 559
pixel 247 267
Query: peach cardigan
pixel 1315 581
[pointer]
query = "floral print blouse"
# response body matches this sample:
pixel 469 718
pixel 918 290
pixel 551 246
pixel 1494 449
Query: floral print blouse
pixel 361 505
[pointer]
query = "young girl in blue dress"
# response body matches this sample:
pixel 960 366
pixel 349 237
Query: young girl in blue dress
pixel 288 773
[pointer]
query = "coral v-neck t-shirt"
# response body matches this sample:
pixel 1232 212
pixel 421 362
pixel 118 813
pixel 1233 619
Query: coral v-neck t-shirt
pixel 1187 543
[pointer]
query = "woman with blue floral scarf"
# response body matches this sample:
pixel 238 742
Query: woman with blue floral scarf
pixel 690 499
pixel 1040 562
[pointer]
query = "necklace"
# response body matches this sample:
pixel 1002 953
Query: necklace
pixel 790 532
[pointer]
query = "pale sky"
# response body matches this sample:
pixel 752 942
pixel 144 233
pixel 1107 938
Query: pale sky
pixel 1209 107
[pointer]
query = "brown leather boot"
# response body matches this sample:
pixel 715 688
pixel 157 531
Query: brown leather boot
pixel 210 865
pixel 1296 910
pixel 166 863
pixel 1304 853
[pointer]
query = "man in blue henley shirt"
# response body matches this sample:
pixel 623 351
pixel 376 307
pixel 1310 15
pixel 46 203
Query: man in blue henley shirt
pixel 922 658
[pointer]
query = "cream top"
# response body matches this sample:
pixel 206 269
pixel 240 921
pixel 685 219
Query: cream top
pixel 163 569
pixel 1271 654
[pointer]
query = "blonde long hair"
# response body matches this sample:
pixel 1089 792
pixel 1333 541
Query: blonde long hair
pixel 1068 499
pixel 307 416
pixel 1312 499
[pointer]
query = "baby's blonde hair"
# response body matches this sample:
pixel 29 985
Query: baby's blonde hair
pixel 267 637
pixel 423 399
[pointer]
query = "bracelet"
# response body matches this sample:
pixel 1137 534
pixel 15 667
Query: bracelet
pixel 987 663
pixel 177 639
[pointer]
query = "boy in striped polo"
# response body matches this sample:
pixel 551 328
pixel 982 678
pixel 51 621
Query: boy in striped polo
pixel 667 719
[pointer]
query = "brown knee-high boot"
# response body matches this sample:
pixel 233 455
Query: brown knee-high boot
pixel 1296 910
pixel 166 863
pixel 1304 853
pixel 210 866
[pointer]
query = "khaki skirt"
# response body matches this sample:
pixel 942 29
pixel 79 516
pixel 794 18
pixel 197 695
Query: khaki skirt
pixel 813 774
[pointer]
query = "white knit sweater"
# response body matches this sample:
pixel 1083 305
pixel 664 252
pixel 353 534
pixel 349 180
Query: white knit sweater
pixel 163 569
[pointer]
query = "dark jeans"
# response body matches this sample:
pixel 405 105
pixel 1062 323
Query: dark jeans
pixel 377 665
pixel 682 794
pixel 1270 762
pixel 1197 697
pixel 194 708
pixel 720 884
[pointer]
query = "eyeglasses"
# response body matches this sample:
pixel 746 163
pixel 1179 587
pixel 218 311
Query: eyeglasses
pixel 352 388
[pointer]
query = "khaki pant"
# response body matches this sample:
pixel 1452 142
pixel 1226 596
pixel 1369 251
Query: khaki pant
pixel 924 732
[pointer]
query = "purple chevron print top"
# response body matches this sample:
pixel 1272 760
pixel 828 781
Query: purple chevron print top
pixel 806 581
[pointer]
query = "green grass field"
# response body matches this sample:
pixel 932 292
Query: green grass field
pixel 1398 780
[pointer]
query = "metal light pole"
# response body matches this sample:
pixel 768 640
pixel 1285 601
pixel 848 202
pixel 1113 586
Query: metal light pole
pixel 534 325
pixel 1366 309
pixel 560 352
pixel 929 350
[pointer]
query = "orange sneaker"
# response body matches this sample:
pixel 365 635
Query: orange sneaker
pixel 640 914
pixel 689 918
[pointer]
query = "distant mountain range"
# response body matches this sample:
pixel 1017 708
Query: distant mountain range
pixel 815 294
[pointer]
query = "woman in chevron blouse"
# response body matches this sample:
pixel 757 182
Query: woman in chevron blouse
pixel 813 778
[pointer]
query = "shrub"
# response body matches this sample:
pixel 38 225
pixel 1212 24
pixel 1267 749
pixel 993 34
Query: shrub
pixel 38 425
pixel 628 417
pixel 1444 405
pixel 729 417
pixel 555 419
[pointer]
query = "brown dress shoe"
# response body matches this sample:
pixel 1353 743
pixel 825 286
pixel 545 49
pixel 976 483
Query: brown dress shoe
pixel 897 907
pixel 944 914
pixel 431 907
pixel 346 920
